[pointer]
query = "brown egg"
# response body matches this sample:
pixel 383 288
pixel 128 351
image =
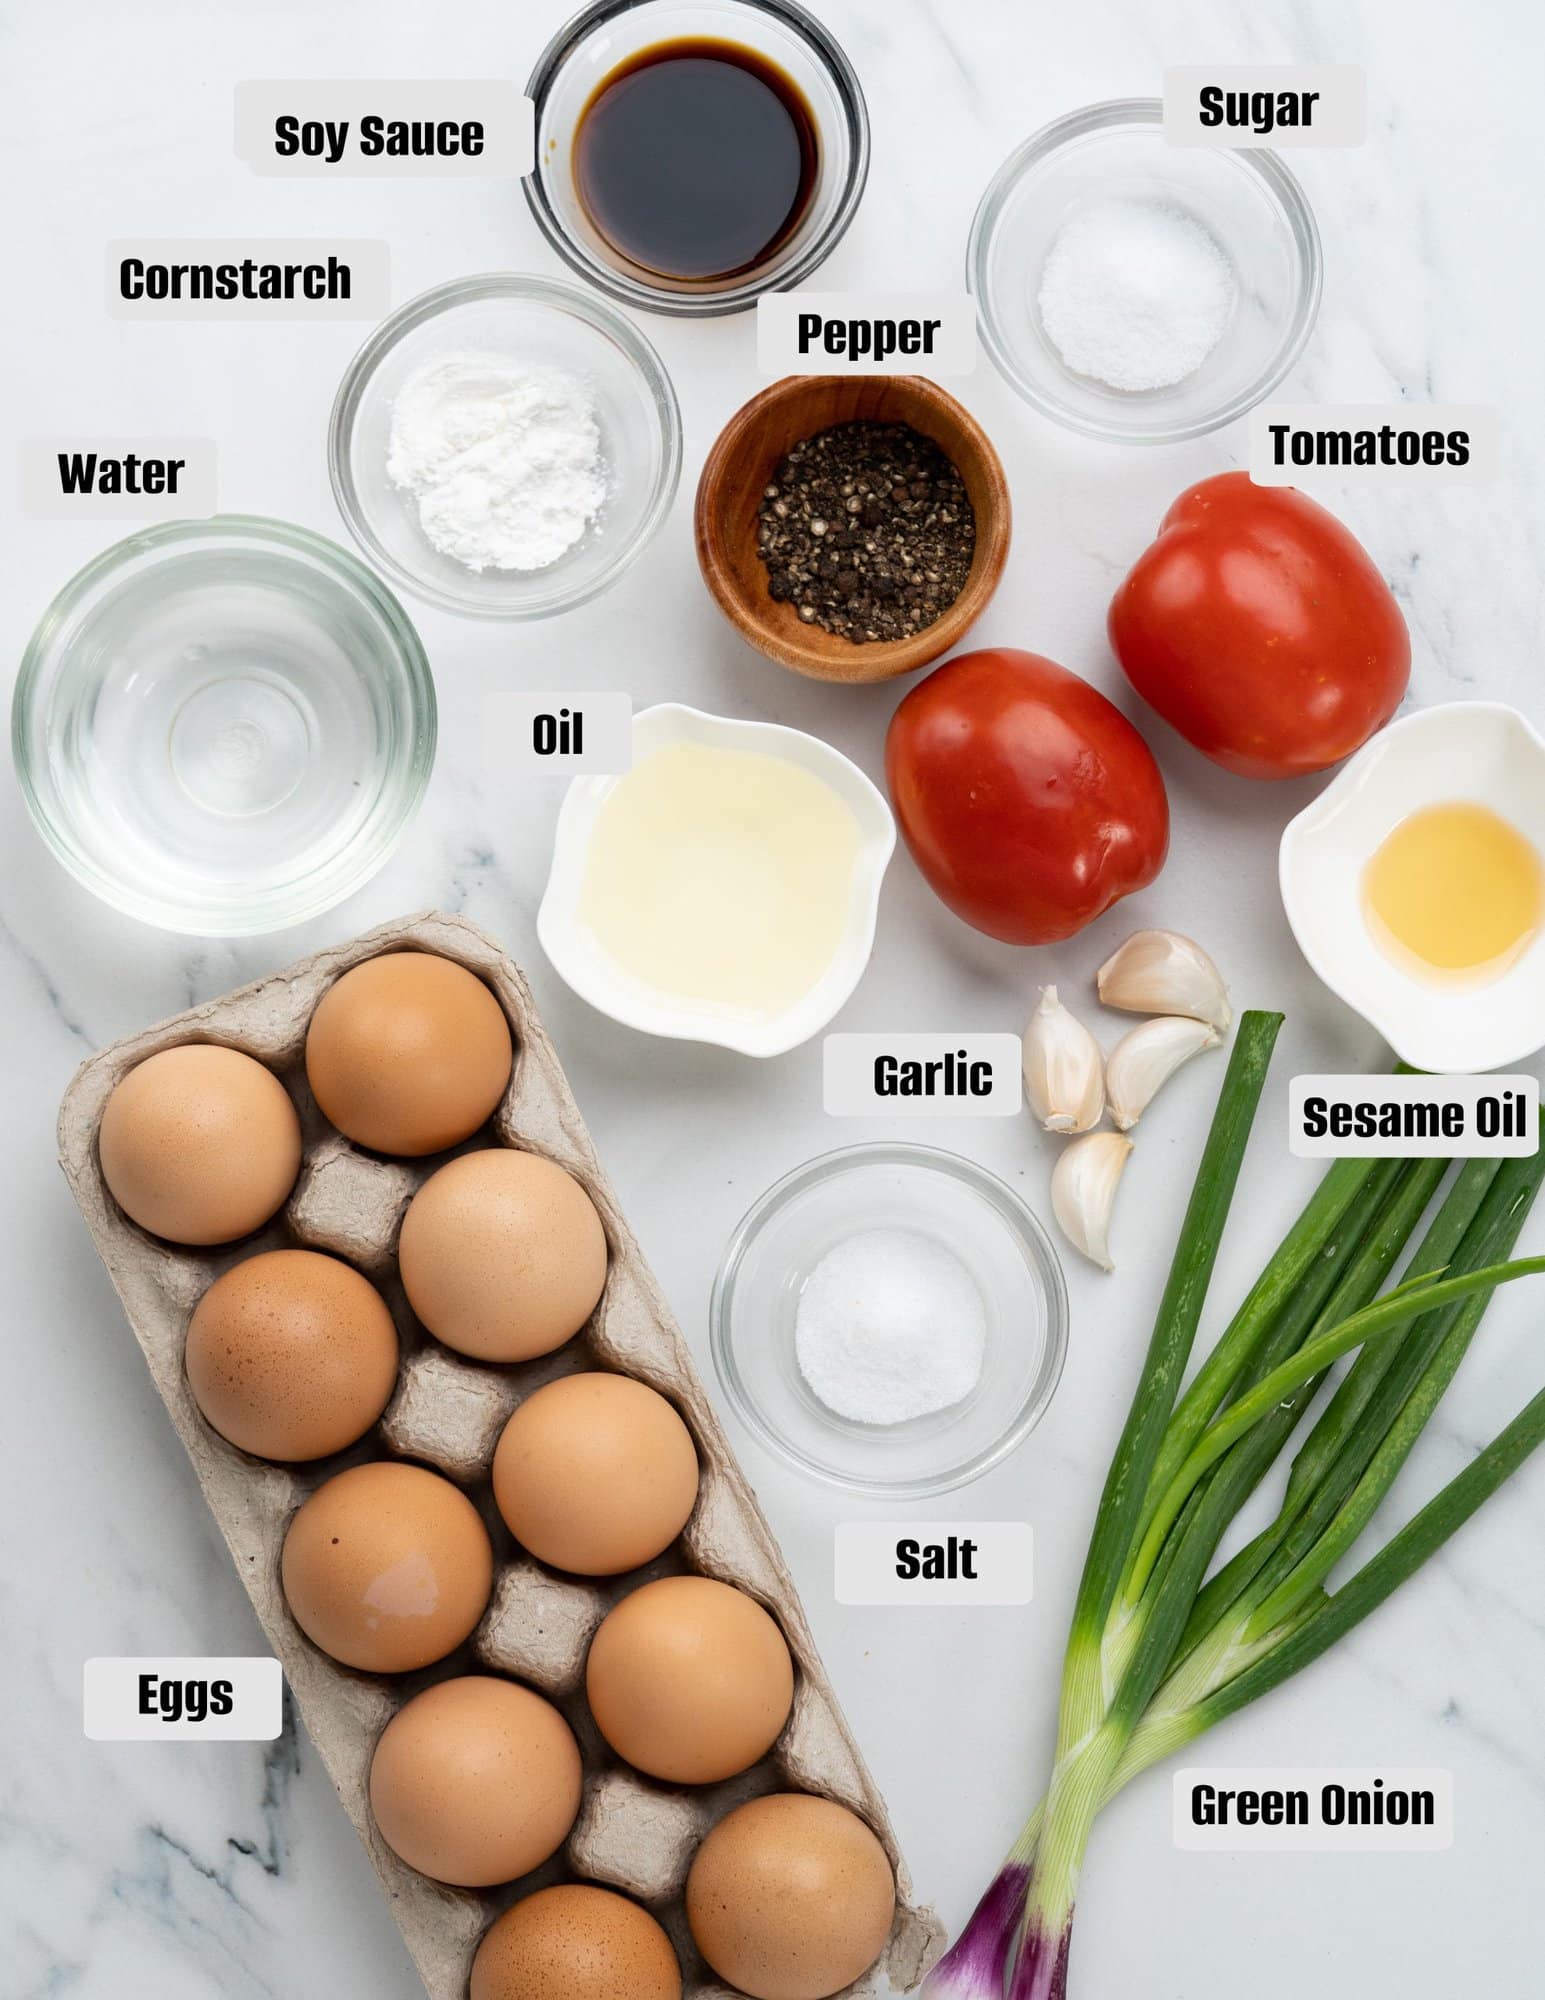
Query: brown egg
pixel 475 1781
pixel 502 1255
pixel 408 1053
pixel 690 1680
pixel 387 1567
pixel 199 1144
pixel 291 1355
pixel 595 1474
pixel 791 1898
pixel 575 1943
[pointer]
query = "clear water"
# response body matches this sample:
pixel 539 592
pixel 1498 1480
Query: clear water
pixel 225 730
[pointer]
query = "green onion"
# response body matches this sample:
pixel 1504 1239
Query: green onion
pixel 1158 1651
pixel 1180 1309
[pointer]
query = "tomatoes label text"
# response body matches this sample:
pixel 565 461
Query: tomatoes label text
pixel 1373 444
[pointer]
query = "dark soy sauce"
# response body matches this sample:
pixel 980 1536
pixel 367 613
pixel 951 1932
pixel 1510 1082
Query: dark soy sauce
pixel 696 159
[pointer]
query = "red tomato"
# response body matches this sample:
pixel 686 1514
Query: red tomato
pixel 1258 627
pixel 1029 802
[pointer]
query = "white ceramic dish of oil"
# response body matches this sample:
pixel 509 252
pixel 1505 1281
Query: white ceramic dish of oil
pixel 1468 752
pixel 582 959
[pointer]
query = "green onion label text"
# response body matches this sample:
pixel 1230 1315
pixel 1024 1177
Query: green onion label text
pixel 1223 1811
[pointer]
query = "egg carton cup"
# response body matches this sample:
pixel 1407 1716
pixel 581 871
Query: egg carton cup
pixel 447 1412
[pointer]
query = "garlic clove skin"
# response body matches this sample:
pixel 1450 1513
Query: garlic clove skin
pixel 1145 1059
pixel 1083 1192
pixel 1064 1070
pixel 1162 972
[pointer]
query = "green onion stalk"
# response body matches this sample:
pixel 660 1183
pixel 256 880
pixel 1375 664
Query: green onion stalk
pixel 1161 1649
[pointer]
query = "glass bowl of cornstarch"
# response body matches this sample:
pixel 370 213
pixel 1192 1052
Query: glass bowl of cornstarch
pixel 505 446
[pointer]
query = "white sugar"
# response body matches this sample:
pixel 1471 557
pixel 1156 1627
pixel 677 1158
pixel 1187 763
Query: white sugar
pixel 1135 294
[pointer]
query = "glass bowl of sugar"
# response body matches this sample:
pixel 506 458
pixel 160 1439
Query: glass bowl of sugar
pixel 891 1319
pixel 1139 291
pixel 505 446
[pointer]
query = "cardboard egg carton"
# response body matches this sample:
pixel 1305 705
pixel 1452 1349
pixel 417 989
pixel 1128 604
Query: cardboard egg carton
pixel 447 1412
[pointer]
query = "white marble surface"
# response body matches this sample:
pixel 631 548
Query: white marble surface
pixel 129 1872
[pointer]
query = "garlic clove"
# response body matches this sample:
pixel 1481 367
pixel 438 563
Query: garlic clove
pixel 1064 1070
pixel 1161 972
pixel 1145 1059
pixel 1083 1192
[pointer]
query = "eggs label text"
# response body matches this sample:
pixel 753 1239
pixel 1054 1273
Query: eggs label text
pixel 905 1076
pixel 354 131
pixel 135 1700
pixel 1413 1117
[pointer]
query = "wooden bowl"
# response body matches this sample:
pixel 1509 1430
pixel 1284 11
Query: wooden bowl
pixel 740 467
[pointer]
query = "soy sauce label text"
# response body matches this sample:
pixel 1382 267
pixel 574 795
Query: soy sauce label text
pixel 447 130
pixel 1243 105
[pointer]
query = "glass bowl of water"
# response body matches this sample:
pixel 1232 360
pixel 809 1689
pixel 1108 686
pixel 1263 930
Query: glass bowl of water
pixel 949 1203
pixel 223 727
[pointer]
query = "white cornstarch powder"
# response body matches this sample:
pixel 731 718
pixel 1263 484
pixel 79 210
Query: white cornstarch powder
pixel 890 1325
pixel 504 461
pixel 1136 294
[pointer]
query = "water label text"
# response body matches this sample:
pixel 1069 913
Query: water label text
pixel 117 478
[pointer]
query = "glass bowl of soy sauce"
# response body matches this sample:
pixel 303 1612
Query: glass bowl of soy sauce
pixel 693 154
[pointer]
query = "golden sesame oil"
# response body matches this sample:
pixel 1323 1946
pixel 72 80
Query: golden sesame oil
pixel 1455 893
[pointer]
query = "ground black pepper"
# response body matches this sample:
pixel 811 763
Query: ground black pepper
pixel 867 530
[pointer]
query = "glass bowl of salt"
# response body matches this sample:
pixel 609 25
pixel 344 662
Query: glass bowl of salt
pixel 1139 291
pixel 891 1319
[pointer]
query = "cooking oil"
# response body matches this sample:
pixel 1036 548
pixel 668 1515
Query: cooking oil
pixel 722 877
pixel 1455 893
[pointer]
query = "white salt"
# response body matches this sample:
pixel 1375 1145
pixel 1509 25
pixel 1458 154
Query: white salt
pixel 890 1325
pixel 1136 294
